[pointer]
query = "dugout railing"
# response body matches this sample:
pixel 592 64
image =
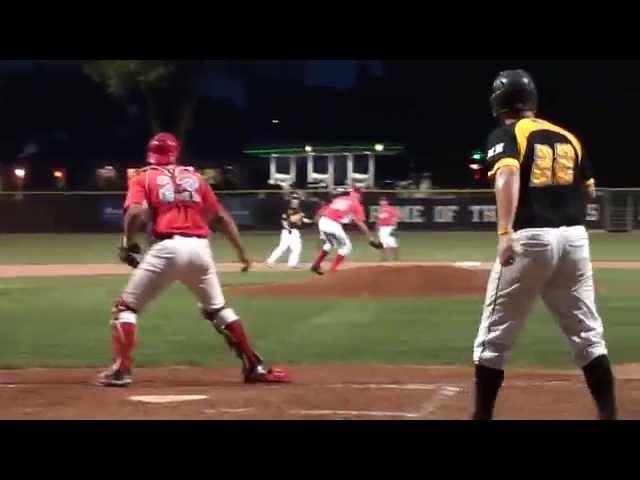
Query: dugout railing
pixel 57 212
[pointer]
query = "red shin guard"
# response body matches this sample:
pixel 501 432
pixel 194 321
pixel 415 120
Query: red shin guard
pixel 123 339
pixel 240 342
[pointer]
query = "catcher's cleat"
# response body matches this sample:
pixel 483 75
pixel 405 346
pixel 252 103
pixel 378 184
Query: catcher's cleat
pixel 317 270
pixel 114 377
pixel 260 374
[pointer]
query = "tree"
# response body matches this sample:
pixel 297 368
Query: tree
pixel 171 89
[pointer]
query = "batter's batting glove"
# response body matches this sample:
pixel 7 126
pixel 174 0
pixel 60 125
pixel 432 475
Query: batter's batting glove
pixel 377 244
pixel 127 253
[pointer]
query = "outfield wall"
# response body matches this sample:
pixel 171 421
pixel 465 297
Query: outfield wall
pixel 64 212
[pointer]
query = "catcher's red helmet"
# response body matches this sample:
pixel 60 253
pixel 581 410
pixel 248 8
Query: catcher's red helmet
pixel 163 149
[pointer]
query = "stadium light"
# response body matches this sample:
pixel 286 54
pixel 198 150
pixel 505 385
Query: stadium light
pixel 378 147
pixel 19 172
pixel 475 166
pixel 59 174
pixel 308 148
pixel 275 121
pixel 477 155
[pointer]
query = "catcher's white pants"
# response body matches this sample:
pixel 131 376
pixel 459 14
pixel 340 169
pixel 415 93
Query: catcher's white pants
pixel 555 263
pixel 289 240
pixel 386 236
pixel 333 235
pixel 184 259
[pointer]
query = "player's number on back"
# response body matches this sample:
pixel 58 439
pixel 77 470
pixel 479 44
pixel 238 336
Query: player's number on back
pixel 552 166
pixel 187 189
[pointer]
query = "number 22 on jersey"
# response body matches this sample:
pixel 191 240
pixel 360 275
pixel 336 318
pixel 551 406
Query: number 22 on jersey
pixel 187 186
pixel 552 166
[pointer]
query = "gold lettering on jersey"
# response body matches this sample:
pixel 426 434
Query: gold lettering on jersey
pixel 553 166
pixel 565 163
pixel 541 170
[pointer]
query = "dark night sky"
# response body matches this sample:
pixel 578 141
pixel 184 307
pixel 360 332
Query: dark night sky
pixel 439 109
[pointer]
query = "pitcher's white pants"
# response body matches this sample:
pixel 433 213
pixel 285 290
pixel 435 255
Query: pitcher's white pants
pixel 333 235
pixel 184 259
pixel 289 240
pixel 555 263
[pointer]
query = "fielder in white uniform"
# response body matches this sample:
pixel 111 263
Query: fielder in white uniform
pixel 542 181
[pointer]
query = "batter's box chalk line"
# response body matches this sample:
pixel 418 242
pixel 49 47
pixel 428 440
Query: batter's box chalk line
pixel 229 410
pixel 167 398
pixel 443 393
pixel 394 386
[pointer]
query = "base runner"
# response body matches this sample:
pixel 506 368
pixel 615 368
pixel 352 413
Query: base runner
pixel 542 181
pixel 290 239
pixel 181 204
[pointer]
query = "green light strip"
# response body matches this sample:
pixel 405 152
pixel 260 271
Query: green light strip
pixel 319 148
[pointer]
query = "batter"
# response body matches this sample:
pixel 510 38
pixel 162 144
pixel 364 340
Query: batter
pixel 542 182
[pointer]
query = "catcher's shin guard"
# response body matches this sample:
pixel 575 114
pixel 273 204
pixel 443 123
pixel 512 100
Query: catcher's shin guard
pixel 236 338
pixel 123 334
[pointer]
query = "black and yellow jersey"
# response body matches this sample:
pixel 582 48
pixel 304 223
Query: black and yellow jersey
pixel 292 218
pixel 553 172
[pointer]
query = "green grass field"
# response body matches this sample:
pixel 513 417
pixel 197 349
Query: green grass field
pixel 64 322
pixel 429 246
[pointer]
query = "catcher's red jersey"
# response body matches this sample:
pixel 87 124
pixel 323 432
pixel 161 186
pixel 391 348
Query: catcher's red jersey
pixel 387 216
pixel 343 209
pixel 181 202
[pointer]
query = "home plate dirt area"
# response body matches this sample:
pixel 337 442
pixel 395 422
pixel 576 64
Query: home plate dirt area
pixel 336 391
pixel 319 392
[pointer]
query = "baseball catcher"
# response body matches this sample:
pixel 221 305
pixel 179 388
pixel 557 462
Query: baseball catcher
pixel 182 205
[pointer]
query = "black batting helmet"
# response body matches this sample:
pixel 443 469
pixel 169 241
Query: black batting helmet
pixel 513 91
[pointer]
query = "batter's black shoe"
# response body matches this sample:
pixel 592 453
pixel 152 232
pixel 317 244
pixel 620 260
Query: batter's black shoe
pixel 114 377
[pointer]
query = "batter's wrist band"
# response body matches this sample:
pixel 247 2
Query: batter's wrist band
pixel 506 231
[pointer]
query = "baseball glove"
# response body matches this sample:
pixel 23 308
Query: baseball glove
pixel 127 253
pixel 377 244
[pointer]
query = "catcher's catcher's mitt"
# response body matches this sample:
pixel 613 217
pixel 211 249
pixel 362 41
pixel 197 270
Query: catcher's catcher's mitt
pixel 127 253
pixel 377 244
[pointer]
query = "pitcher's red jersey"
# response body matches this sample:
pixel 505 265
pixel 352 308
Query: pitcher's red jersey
pixel 343 209
pixel 180 201
pixel 387 216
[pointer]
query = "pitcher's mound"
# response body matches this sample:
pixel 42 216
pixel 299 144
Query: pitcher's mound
pixel 382 281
